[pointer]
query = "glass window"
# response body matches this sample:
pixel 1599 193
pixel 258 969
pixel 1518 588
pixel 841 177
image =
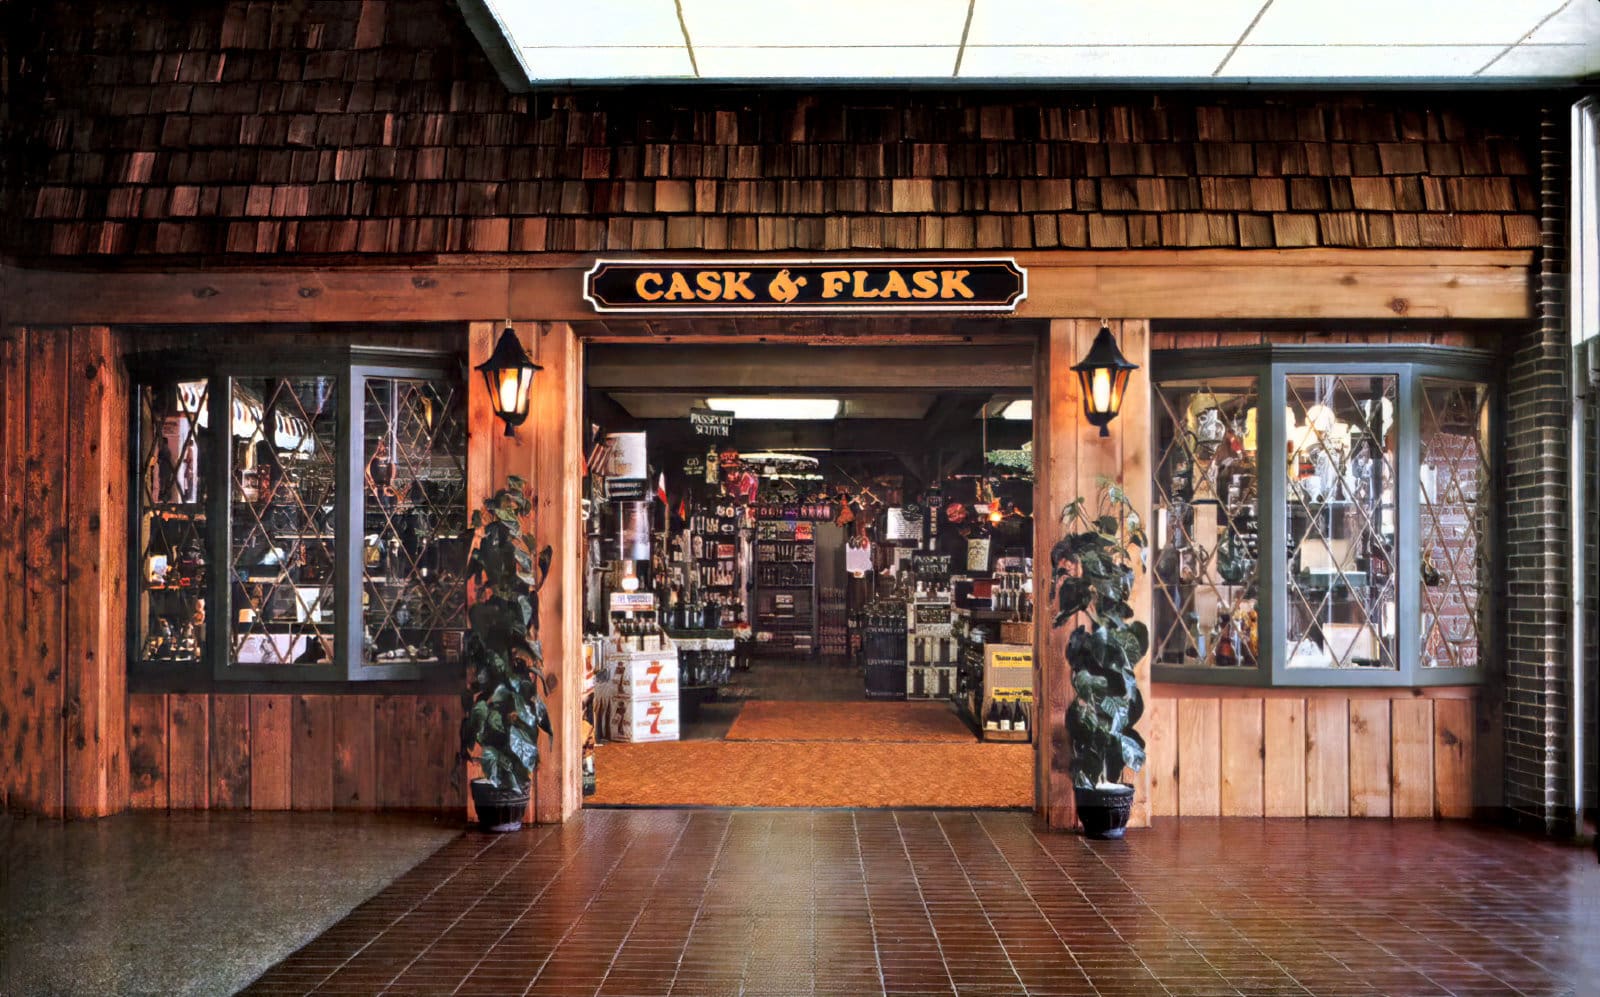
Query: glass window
pixel 1454 487
pixel 172 534
pixel 1341 521
pixel 1322 515
pixel 1206 532
pixel 282 520
pixel 414 531
pixel 334 496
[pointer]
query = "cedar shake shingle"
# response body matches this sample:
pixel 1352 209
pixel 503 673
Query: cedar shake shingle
pixel 379 128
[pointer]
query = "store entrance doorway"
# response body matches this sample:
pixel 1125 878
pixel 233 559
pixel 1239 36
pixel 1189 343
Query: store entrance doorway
pixel 808 572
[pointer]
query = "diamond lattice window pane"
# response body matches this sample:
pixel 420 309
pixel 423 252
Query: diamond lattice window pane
pixel 282 503
pixel 1455 521
pixel 1341 521
pixel 1206 552
pixel 173 536
pixel 414 512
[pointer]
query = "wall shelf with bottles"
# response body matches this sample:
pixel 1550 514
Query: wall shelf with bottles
pixel 317 507
pixel 1360 554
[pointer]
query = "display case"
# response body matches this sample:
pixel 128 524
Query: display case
pixel 332 491
pixel 1322 517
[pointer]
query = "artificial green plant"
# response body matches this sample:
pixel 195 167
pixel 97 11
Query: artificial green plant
pixel 506 683
pixel 1092 577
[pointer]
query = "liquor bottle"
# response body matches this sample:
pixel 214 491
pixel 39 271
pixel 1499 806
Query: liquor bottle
pixel 991 721
pixel 1226 649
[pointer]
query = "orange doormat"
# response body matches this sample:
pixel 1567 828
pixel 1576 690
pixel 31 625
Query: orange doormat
pixel 814 774
pixel 768 720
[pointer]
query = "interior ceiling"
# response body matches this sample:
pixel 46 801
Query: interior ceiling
pixel 1483 42
pixel 660 381
pixel 855 404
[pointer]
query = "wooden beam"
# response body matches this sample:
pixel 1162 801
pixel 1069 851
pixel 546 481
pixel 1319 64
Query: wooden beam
pixel 1319 283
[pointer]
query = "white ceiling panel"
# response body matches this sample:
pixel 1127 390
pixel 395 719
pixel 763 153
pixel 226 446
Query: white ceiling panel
pixel 1395 22
pixel 820 23
pixel 1358 61
pixel 1538 60
pixel 822 63
pixel 1578 23
pixel 1099 62
pixel 1488 42
pixel 565 24
pixel 1110 22
pixel 608 63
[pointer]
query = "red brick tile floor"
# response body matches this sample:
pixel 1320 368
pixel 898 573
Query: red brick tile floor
pixel 802 902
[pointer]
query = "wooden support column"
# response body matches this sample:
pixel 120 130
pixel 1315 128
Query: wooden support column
pixel 95 677
pixel 557 416
pixel 546 452
pixel 1070 457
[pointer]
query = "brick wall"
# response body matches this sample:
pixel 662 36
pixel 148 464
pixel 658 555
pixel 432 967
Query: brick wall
pixel 339 127
pixel 1536 543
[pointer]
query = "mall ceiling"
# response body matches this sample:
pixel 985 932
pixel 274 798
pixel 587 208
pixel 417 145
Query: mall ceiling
pixel 1486 43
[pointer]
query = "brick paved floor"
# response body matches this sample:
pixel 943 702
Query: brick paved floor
pixel 922 902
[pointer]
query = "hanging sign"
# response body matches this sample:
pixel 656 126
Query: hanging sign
pixel 626 469
pixel 903 285
pixel 711 423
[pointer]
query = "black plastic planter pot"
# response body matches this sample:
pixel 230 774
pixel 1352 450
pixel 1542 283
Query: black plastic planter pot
pixel 499 810
pixel 1104 812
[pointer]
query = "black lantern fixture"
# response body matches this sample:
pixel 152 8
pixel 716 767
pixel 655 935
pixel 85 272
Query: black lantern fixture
pixel 509 374
pixel 1103 376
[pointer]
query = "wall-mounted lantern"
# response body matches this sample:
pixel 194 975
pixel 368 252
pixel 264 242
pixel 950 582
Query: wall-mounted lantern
pixel 509 374
pixel 1103 375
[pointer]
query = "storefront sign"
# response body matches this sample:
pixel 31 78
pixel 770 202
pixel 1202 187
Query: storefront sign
pixel 904 285
pixel 711 423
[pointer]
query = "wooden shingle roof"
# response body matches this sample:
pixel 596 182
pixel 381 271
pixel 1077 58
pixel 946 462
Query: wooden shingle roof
pixel 309 127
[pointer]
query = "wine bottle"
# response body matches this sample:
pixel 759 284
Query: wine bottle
pixel 1019 720
pixel 992 720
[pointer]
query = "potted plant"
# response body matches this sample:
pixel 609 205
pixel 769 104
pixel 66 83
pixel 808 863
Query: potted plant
pixel 1092 573
pixel 504 701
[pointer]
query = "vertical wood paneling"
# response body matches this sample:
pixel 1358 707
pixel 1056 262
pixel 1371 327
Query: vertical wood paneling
pixel 311 753
pixel 230 752
pixel 1454 737
pixel 392 731
pixel 147 751
pixel 355 765
pixel 189 751
pixel 1161 748
pixel 95 673
pixel 270 751
pixel 41 652
pixel 1284 769
pixel 557 413
pixel 13 444
pixel 1199 758
pixel 1369 758
pixel 1243 758
pixel 1411 757
pixel 437 780
pixel 1132 429
pixel 1327 757
pixel 1055 449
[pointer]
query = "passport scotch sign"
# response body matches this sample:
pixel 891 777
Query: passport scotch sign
pixel 779 286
